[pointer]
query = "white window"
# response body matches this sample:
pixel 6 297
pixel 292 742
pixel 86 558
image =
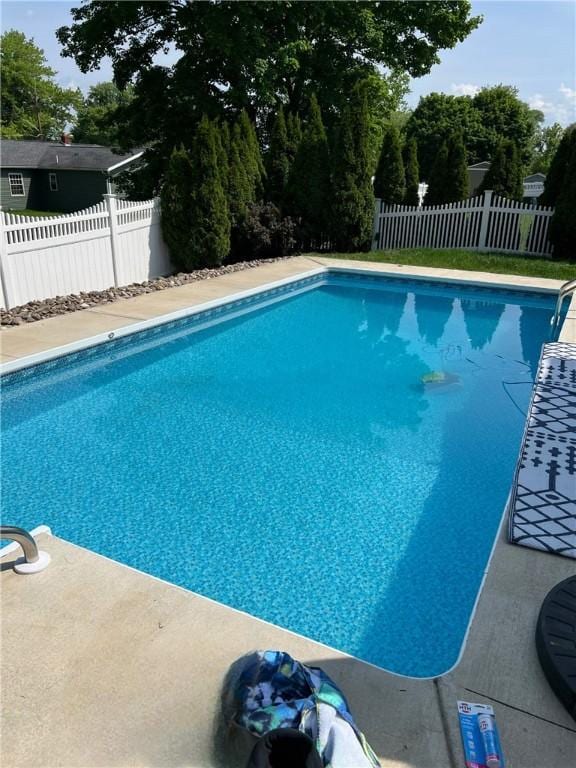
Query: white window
pixel 53 182
pixel 16 184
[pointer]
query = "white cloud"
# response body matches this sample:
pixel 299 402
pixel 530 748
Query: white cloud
pixel 562 110
pixel 30 12
pixel 465 89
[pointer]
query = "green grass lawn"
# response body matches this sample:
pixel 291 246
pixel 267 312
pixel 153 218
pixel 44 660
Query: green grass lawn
pixel 30 212
pixel 481 262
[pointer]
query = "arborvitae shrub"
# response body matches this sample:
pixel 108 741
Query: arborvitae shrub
pixel 390 178
pixel 436 193
pixel 563 223
pixel 278 159
pixel 309 191
pixel 410 157
pixel 353 197
pixel 556 176
pixel 175 201
pixel 208 214
pixel 251 155
pixel 505 175
pixel 456 177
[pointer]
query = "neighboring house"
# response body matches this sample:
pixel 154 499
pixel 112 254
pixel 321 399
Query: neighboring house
pixel 476 175
pixel 53 176
pixel 533 185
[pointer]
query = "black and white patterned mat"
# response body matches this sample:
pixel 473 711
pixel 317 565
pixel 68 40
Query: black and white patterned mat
pixel 542 508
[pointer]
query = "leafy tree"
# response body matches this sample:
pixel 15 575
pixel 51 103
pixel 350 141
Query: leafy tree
pixel 208 214
pixel 556 178
pixel 33 105
pixel 278 159
pixel 456 178
pixel 309 190
pixel 253 55
pixel 436 193
pixel 390 179
pixel 175 200
pixel 546 143
pixel 97 117
pixel 503 115
pixel 353 198
pixel 410 156
pixel 222 141
pixel 484 120
pixel 505 176
pixel 436 117
pixel 563 223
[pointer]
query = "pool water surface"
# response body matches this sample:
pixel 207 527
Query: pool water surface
pixel 336 463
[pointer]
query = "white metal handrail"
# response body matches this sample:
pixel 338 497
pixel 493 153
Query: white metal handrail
pixel 565 290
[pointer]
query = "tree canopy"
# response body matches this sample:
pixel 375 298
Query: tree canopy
pixel 97 117
pixel 34 106
pixel 390 179
pixel 484 120
pixel 256 55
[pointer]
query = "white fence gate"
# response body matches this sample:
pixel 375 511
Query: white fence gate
pixel 484 223
pixel 114 243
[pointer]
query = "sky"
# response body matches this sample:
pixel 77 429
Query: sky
pixel 530 44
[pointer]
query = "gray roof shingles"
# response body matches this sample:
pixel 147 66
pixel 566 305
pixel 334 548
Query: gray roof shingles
pixel 53 155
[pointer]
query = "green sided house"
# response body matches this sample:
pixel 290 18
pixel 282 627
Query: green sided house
pixel 54 176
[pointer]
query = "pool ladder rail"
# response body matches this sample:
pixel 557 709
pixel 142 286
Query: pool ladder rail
pixel 35 560
pixel 565 290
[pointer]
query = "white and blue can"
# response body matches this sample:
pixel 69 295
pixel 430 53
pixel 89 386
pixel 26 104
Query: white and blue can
pixel 488 732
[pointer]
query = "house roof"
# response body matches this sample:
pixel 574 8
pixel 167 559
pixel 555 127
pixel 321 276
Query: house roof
pixel 483 166
pixel 535 177
pixel 16 153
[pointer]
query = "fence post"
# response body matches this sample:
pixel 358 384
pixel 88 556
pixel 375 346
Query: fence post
pixel 114 241
pixel 376 224
pixel 484 220
pixel 8 298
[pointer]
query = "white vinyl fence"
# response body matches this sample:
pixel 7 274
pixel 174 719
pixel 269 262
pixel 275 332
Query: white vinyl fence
pixel 114 243
pixel 484 223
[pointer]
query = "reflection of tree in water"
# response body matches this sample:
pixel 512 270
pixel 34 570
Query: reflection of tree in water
pixel 481 319
pixel 432 314
pixel 387 377
pixel 534 330
pixel 383 312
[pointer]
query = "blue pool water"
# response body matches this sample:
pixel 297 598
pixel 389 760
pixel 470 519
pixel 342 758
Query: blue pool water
pixel 290 462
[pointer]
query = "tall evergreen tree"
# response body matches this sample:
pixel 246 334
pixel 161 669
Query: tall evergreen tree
pixel 208 214
pixel 353 198
pixel 563 222
pixel 412 171
pixel 556 177
pixel 390 179
pixel 175 200
pixel 309 190
pixel 241 185
pixel 220 140
pixel 456 179
pixel 250 152
pixel 278 159
pixel 505 175
pixel 294 133
pixel 436 193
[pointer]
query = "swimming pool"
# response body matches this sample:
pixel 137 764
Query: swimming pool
pixel 294 455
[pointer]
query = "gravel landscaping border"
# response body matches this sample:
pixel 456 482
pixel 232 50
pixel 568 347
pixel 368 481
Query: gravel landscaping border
pixel 61 305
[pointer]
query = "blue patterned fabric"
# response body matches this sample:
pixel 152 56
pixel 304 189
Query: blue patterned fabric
pixel 276 691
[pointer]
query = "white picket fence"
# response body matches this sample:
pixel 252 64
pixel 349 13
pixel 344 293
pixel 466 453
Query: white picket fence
pixel 484 223
pixel 114 243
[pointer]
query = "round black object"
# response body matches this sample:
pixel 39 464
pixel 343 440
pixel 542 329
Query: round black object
pixel 556 641
pixel 285 748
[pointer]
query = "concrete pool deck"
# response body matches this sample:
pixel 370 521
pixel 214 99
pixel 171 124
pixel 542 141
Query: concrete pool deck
pixel 106 666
